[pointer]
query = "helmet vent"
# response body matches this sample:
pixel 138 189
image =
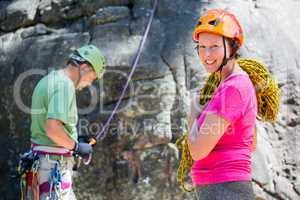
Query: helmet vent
pixel 214 22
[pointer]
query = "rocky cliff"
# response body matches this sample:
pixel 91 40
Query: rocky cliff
pixel 137 159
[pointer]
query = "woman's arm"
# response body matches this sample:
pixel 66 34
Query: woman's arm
pixel 202 141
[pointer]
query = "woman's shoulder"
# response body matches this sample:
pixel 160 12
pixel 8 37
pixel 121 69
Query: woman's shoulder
pixel 239 81
pixel 242 83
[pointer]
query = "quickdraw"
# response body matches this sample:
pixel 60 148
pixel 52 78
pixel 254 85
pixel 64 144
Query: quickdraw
pixel 55 183
pixel 27 171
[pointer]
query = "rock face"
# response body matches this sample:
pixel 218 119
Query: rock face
pixel 136 159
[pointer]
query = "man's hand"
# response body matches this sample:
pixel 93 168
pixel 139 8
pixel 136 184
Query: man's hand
pixel 83 149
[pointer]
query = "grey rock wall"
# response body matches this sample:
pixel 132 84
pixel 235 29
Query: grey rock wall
pixel 137 159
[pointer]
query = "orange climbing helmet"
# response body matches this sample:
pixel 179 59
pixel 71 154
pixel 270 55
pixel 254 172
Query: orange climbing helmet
pixel 220 22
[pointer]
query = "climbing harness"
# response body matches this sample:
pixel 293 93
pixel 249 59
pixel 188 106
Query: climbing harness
pixel 268 102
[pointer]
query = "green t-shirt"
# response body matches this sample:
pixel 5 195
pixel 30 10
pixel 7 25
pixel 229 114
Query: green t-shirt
pixel 53 97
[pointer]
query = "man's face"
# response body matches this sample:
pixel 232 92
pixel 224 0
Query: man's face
pixel 87 76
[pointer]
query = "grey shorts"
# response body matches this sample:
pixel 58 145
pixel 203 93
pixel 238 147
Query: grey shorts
pixel 236 190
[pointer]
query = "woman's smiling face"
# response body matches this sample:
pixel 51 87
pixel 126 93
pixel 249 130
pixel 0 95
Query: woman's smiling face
pixel 211 51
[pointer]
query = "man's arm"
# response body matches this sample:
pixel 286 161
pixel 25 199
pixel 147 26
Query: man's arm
pixel 55 131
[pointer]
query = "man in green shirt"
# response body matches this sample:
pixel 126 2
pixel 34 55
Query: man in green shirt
pixel 53 123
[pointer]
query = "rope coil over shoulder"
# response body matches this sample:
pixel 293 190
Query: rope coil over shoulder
pixel 268 102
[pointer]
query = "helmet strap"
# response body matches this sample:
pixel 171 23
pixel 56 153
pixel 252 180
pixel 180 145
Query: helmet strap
pixel 82 72
pixel 225 59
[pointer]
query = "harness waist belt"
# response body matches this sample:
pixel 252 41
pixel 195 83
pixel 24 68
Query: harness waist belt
pixel 51 150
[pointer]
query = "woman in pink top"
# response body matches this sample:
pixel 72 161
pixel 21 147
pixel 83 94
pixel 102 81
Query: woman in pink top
pixel 222 137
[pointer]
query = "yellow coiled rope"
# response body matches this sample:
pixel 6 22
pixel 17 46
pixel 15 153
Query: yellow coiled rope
pixel 268 99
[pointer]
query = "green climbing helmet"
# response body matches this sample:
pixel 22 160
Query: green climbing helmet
pixel 93 55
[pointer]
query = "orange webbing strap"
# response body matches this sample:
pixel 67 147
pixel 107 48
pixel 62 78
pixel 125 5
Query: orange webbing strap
pixel 35 180
pixel 92 141
pixel 35 186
